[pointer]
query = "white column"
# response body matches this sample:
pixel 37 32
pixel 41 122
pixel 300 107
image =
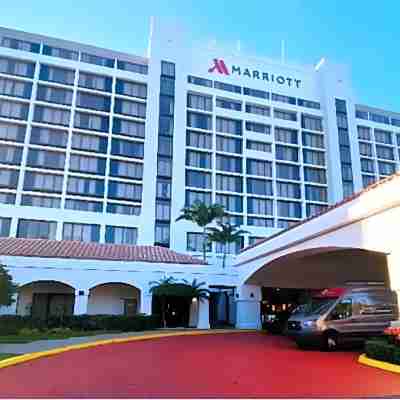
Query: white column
pixel 194 313
pixel 81 302
pixel 248 307
pixel 203 321
pixel 393 263
pixel 145 303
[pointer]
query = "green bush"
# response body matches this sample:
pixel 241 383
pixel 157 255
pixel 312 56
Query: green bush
pixel 382 350
pixel 29 332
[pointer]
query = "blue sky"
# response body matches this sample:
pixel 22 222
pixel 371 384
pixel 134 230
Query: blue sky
pixel 364 35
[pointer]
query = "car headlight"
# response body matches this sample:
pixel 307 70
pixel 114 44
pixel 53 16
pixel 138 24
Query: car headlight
pixel 309 323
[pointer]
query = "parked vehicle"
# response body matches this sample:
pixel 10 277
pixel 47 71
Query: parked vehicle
pixel 358 313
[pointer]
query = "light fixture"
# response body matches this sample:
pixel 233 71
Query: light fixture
pixel 194 300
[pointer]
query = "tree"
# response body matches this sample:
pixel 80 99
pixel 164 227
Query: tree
pixel 202 215
pixel 7 287
pixel 162 288
pixel 196 289
pixel 225 233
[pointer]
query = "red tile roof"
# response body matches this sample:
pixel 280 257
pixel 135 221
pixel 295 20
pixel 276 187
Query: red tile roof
pixel 91 251
pixel 328 209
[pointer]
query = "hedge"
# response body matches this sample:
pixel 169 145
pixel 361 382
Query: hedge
pixel 12 324
pixel 382 350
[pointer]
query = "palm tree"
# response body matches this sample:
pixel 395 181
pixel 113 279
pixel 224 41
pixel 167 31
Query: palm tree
pixel 225 234
pixel 198 292
pixel 202 215
pixel 161 288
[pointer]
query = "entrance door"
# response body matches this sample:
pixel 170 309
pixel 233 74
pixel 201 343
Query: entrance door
pixel 40 303
pixel 130 307
pixel 45 305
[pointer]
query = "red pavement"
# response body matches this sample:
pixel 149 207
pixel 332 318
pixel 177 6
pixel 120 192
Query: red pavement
pixel 224 365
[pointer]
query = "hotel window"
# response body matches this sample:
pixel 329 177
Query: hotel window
pixel 50 115
pixel 285 171
pixel 341 120
pixel 163 189
pixel 124 191
pixel 257 221
pixel 315 209
pixel 40 201
pixel 313 140
pixel 10 155
pixel 260 187
pixel 35 181
pixel 313 123
pixel 95 82
pixel 125 169
pixel 9 178
pixel 259 206
pixel 6 198
pixel 132 67
pixel 54 95
pixel 128 128
pixel 367 165
pixel 343 136
pixel 193 197
pixel 259 167
pixel 83 205
pixel 308 104
pixel 313 157
pixel 18 68
pixel 198 159
pixel 127 148
pixel 255 93
pixel 11 87
pixel 230 202
pixel 198 179
pixel 199 102
pixel 18 44
pixel 383 136
pixel 12 132
pixel 164 166
pixel 398 138
pixel 199 140
pixel 227 87
pixel 93 101
pixel 46 159
pixel 85 186
pixel 316 193
pixel 123 209
pixel 395 122
pixel 162 234
pixel 362 114
pixel 286 115
pixel 232 219
pixel 286 224
pixel 165 147
pixel 163 210
pixel 56 74
pixel 97 60
pixel 258 146
pixel 86 142
pixel 286 135
pixel 167 86
pixel 226 125
pixel 5 227
pixel 166 106
pixel 368 180
pixel 289 209
pixel 257 127
pixel 60 52
pixel 283 99
pixel 121 235
pixel 286 153
pixel 365 149
pixel 91 122
pixel 229 104
pixel 33 229
pixel 229 145
pixel 10 109
pixel 384 152
pixel 167 69
pixel 194 242
pixel 383 119
pixel 166 125
pixel 364 133
pixel 230 248
pixel 347 172
pixel 130 108
pixel 258 109
pixel 132 89
pixel 89 165
pixel 229 183
pixel 288 190
pixel 345 155
pixel 315 175
pixel 199 121
pixel 229 164
pixel 81 232
pixel 386 168
pixel 200 81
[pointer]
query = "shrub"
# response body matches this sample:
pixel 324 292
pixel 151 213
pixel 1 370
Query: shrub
pixel 29 332
pixel 382 350
pixel 11 324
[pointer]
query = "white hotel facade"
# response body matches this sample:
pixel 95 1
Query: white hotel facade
pixel 102 146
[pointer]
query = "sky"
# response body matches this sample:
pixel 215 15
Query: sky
pixel 362 34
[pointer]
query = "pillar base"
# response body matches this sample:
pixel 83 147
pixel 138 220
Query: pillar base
pixel 248 314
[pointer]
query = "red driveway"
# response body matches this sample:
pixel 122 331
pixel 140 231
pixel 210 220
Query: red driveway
pixel 224 365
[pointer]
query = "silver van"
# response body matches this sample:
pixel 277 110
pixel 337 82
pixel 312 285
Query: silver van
pixel 360 312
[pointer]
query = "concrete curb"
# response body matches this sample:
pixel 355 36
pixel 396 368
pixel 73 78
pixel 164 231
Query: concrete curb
pixel 363 359
pixel 8 362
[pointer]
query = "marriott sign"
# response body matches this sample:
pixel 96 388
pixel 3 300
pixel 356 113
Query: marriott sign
pixel 220 67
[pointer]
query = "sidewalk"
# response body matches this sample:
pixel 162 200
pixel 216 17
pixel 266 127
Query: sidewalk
pixel 42 345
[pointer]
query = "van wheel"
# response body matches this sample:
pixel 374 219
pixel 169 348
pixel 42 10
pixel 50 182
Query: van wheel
pixel 330 341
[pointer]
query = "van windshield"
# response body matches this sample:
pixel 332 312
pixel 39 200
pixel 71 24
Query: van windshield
pixel 316 306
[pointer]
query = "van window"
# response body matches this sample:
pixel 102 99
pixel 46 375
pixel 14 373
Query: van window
pixel 376 303
pixel 342 310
